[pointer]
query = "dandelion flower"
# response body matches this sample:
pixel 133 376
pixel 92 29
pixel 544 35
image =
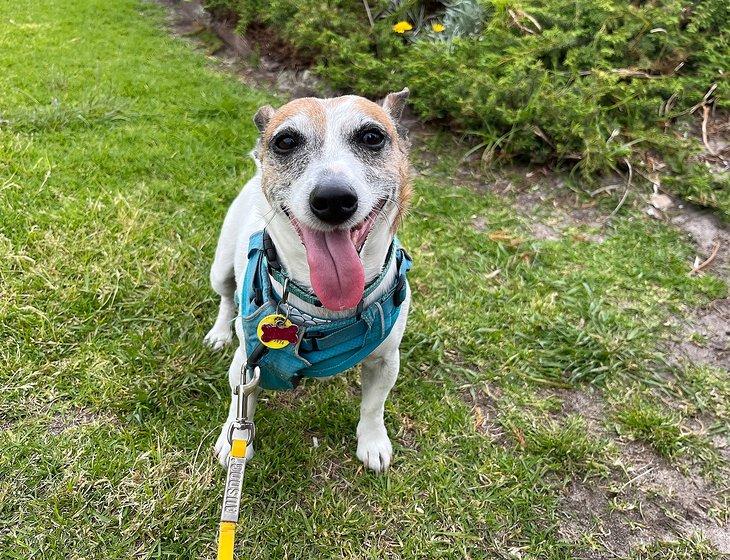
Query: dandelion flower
pixel 438 27
pixel 402 26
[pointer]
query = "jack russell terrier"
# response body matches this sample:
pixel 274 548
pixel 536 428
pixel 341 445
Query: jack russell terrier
pixel 307 264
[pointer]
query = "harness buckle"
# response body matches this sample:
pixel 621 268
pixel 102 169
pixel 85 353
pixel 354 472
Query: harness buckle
pixel 270 251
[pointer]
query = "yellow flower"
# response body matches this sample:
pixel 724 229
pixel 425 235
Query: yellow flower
pixel 402 27
pixel 438 27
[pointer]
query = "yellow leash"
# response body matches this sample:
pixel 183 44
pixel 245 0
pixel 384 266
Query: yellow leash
pixel 227 532
pixel 241 434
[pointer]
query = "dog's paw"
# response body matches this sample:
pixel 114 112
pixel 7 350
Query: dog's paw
pixel 222 449
pixel 218 337
pixel 374 449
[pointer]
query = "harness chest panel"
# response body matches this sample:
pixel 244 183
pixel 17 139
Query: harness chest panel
pixel 323 348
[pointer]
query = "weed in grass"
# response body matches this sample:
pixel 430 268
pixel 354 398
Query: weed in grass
pixel 646 420
pixel 707 389
pixel 569 446
pixel 693 548
pixel 60 114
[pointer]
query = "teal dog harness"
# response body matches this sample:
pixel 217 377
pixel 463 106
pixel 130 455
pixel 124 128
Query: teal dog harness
pixel 323 347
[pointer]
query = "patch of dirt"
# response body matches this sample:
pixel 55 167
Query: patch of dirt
pixel 544 232
pixel 551 206
pixel 642 501
pixel 705 336
pixel 587 404
pixel 75 418
pixel 485 412
pixel 259 59
pixel 706 230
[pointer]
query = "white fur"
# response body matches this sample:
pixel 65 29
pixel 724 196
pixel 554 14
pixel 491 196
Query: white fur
pixel 251 212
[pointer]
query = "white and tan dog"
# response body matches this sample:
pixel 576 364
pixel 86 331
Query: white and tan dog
pixel 332 183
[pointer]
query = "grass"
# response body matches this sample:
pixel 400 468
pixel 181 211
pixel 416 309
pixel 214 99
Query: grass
pixel 120 148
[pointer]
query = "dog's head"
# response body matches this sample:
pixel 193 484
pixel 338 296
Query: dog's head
pixel 337 170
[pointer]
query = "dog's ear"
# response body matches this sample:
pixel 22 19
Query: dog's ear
pixel 262 117
pixel 394 103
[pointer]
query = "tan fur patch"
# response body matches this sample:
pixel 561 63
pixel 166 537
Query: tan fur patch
pixel 377 113
pixel 405 194
pixel 309 106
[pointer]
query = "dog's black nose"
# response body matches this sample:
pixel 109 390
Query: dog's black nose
pixel 333 201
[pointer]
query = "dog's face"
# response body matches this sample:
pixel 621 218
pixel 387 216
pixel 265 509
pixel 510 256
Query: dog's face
pixel 338 170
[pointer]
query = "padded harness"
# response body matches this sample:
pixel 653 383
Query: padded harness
pixel 324 347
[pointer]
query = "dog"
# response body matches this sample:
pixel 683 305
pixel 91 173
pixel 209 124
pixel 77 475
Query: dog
pixel 332 183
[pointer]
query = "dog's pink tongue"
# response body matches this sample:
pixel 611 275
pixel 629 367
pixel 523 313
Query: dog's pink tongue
pixel 335 269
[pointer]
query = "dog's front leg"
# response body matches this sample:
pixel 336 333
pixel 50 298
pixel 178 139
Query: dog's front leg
pixel 378 375
pixel 379 372
pixel 222 445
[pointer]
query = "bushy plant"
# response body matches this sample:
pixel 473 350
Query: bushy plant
pixel 582 83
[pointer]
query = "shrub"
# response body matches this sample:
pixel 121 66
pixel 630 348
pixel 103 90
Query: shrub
pixel 585 83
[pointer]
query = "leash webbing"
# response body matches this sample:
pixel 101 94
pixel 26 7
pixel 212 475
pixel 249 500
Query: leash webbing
pixel 241 434
pixel 227 531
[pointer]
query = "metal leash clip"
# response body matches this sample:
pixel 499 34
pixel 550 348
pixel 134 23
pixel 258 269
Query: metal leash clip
pixel 240 435
pixel 242 391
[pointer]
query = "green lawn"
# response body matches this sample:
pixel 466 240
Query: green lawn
pixel 120 149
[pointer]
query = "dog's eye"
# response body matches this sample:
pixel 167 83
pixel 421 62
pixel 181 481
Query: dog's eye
pixel 285 143
pixel 372 138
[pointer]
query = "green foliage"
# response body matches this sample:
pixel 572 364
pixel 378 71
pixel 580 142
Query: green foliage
pixel 697 184
pixel 649 422
pixel 538 79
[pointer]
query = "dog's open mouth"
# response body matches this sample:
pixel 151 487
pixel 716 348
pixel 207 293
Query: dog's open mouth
pixel 335 269
pixel 360 232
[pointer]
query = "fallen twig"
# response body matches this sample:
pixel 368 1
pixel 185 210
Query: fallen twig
pixel 538 131
pixel 704 264
pixel 669 104
pixel 607 188
pixel 629 73
pixel 370 15
pixel 532 19
pixel 626 192
pixel 519 25
pixel 45 179
pixel 705 139
pixel 637 477
pixel 705 99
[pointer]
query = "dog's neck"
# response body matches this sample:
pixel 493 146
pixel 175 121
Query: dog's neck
pixel 293 257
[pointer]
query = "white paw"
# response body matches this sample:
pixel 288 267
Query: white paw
pixel 374 448
pixel 222 447
pixel 218 336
